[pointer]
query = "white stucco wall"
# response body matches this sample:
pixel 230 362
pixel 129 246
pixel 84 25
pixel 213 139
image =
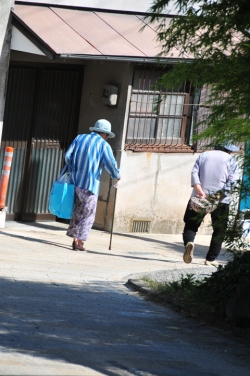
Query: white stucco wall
pixel 154 187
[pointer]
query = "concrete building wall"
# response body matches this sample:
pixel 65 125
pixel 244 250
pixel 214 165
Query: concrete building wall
pixel 96 75
pixel 5 7
pixel 155 187
pixel 5 38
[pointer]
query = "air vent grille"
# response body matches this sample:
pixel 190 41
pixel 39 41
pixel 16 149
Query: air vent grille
pixel 140 226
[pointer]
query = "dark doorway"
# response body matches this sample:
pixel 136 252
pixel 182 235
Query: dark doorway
pixel 40 121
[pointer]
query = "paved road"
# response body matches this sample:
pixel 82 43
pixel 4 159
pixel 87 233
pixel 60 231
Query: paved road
pixel 70 313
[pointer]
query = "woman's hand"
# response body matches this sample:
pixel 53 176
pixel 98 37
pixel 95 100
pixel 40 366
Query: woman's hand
pixel 116 184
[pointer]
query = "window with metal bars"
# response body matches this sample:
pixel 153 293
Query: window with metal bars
pixel 203 111
pixel 159 118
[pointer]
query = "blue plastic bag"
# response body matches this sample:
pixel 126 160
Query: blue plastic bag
pixel 62 196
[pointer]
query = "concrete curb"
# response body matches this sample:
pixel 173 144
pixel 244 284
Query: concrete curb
pixel 139 285
pixel 165 276
pixel 144 289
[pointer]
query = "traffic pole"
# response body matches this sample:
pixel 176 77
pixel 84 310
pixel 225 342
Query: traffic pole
pixel 8 156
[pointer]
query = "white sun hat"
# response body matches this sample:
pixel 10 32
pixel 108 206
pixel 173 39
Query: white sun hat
pixel 231 147
pixel 103 126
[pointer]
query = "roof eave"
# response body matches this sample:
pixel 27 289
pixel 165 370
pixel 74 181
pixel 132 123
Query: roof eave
pixel 135 59
pixel 39 43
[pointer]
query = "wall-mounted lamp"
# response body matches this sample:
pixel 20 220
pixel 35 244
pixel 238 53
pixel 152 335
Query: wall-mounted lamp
pixel 109 95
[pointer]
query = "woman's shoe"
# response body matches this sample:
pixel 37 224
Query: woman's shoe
pixel 77 247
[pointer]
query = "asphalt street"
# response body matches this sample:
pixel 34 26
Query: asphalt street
pixel 72 313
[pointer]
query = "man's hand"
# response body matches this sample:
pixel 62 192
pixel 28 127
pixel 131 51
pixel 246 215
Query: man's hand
pixel 199 191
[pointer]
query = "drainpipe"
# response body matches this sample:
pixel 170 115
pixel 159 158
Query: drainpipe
pixel 194 114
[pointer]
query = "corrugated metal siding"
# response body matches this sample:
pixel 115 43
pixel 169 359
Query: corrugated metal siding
pixel 13 201
pixel 45 167
pixel 40 122
pixel 17 124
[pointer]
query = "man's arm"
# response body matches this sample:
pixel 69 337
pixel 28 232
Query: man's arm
pixel 199 191
pixel 233 175
pixel 195 178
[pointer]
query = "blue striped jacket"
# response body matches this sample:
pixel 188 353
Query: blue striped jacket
pixel 87 154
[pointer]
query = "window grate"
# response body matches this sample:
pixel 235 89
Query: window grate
pixel 159 117
pixel 140 226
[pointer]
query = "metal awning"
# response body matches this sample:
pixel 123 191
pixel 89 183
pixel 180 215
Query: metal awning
pixel 64 32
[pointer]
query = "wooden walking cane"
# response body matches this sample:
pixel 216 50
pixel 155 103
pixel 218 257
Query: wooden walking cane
pixel 111 232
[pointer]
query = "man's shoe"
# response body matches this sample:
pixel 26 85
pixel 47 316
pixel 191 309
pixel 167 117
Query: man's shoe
pixel 188 254
pixel 211 263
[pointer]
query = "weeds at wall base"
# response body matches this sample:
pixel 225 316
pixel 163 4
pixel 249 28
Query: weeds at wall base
pixel 210 300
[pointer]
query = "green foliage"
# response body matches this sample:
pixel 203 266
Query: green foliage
pixel 186 282
pixel 213 40
pixel 219 288
pixel 216 36
pixel 181 294
pixel 207 297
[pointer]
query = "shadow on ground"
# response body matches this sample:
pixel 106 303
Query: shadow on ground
pixel 94 325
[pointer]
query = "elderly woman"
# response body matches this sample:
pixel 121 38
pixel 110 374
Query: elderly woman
pixel 86 156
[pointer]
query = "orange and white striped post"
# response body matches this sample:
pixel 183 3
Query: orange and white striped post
pixel 5 175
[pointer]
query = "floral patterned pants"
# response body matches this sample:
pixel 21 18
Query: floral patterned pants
pixel 83 214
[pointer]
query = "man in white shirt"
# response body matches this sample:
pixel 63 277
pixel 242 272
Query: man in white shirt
pixel 214 171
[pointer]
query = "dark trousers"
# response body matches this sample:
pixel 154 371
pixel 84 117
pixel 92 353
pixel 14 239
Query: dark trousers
pixel 219 219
